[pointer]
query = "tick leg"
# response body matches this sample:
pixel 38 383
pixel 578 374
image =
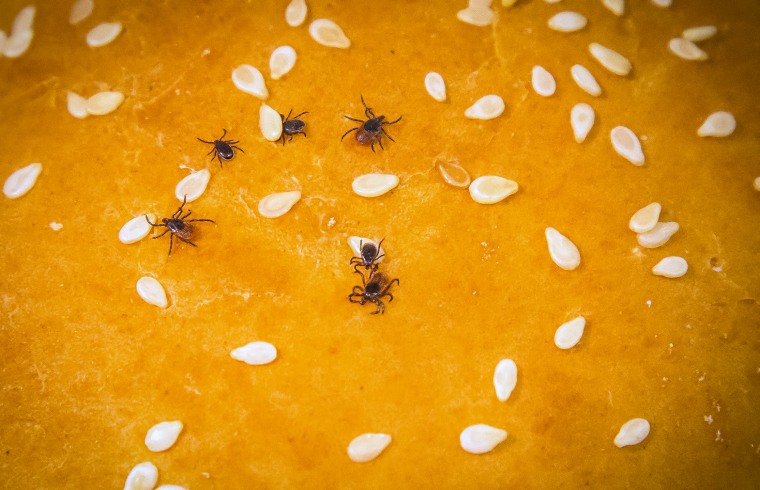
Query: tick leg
pixel 386 134
pixel 291 138
pixel 187 241
pixel 380 140
pixel 344 134
pixel 231 142
pixel 151 224
pixel 209 142
pixel 393 122
pixel 189 212
pixel 194 220
pixel 363 282
pixel 380 307
pixel 351 297
pixel 238 148
pixel 179 210
pixel 289 113
pixel 162 234
pixel 301 132
pixel 299 115
pixel 212 151
pixel 354 119
pixel 225 132
pixel 171 243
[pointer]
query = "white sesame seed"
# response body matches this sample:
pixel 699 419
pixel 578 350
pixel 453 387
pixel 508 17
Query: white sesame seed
pixel 756 183
pixel 645 219
pixel 24 20
pixel 136 229
pixel 481 438
pixel 255 353
pixel 250 80
pixel 77 105
pixel 163 435
pixel 671 267
pixel 367 447
pixel 435 86
pixel 295 12
pixel 270 123
pixel 17 43
pixel 563 252
pixel 453 173
pixel 543 81
pixel 21 181
pixel 356 243
pixel 55 226
pixel 686 49
pixel 585 80
pixel 192 186
pixel 479 3
pixel 283 60
pixel 567 21
pixel 632 432
pixel 569 333
pixel 582 120
pixel 611 60
pixel 142 477
pixel 617 7
pixel 3 38
pixel 627 145
pixel 718 124
pixel 80 10
pixel 104 103
pixel 659 235
pixel 373 185
pixel 277 204
pixel 476 16
pixel 327 33
pixel 505 379
pixel 103 34
pixel 152 292
pixel 487 107
pixel 662 3
pixel 491 189
pixel 700 33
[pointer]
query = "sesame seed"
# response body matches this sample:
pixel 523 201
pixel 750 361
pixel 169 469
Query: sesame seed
pixel 453 173
pixel 756 183
pixel 476 16
pixel 77 105
pixel 563 252
pixel 17 43
pixel 543 81
pixel 193 186
pixel 104 103
pixel 103 34
pixel 686 49
pixel 295 13
pixel 278 204
pixel 373 185
pixel 327 33
pixel 632 432
pixel 586 80
pixel 491 189
pixel 645 219
pixel 283 60
pixel 569 333
pixel 505 379
pixel 136 229
pixel 80 10
pixel 152 292
pixel 627 145
pixel 367 447
pixel 163 435
pixel 582 120
pixel 21 181
pixel 255 353
pixel 700 33
pixel 270 123
pixel 24 20
pixel 718 124
pixel 250 80
pixel 659 235
pixel 55 226
pixel 567 21
pixel 435 86
pixel 486 107
pixel 611 60
pixel 481 438
pixel 142 477
pixel 671 267
pixel 662 3
pixel 617 7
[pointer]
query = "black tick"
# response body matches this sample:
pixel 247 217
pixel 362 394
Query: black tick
pixel 373 291
pixel 371 131
pixel 292 127
pixel 178 225
pixel 223 149
pixel 370 255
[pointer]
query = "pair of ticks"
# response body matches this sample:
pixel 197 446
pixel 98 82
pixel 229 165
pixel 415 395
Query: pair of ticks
pixel 376 285
pixel 369 132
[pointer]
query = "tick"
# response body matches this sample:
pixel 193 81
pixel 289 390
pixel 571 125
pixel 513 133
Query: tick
pixel 371 131
pixel 178 225
pixel 369 256
pixel 292 127
pixel 223 149
pixel 373 291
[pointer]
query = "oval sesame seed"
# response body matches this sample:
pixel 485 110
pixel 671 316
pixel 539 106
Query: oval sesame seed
pixel 645 219
pixel 505 379
pixel 659 235
pixel 563 252
pixel 283 60
pixel 136 229
pixel 453 173
pixel 193 186
pixel 143 476
pixel 671 267
pixel 270 123
pixel 77 105
pixel 21 181
pixel 104 103
pixel 80 10
pixel 277 204
pixel 686 49
pixel 476 16
pixel 373 185
pixel 491 189
pixel 718 124
pixel 543 81
pixel 24 20
pixel 632 432
pixel 662 3
pixel 250 80
pixel 627 145
pixel 479 3
pixel 481 438
pixel 700 33
pixel 567 21
pixel 295 13
pixel 617 7
pixel 327 33
pixel 486 107
pixel 163 435
pixel 367 447
pixel 585 80
pixel 103 34
pixel 55 226
pixel 3 38
pixel 435 86
pixel 356 243
pixel 17 43
pixel 611 60
pixel 255 353
pixel 569 333
pixel 152 292
pixel 582 118
pixel 756 183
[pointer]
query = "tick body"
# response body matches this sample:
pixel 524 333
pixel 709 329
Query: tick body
pixel 369 256
pixel 178 225
pixel 371 130
pixel 223 149
pixel 373 290
pixel 292 127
